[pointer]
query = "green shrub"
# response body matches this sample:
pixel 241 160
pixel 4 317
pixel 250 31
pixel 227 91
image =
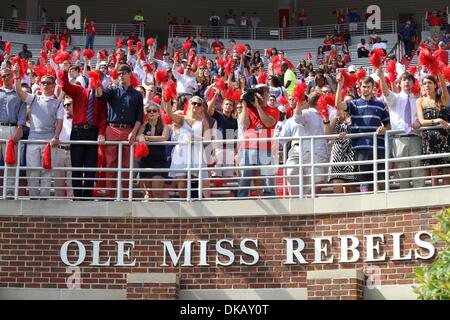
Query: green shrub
pixel 433 281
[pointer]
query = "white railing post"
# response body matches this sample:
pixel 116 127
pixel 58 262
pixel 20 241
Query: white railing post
pixel 131 171
pixel 17 177
pixel 386 162
pixel 300 169
pixel 119 174
pixel 200 160
pixel 313 171
pixel 188 182
pixel 284 168
pixel 375 163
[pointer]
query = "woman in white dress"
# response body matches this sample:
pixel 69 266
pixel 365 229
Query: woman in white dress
pixel 190 129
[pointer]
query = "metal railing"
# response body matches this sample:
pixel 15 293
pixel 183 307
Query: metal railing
pixel 36 27
pixel 275 33
pixel 274 179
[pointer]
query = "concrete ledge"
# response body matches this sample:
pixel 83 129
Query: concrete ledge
pixel 436 197
pixel 61 294
pixel 392 292
pixel 335 274
pixel 152 278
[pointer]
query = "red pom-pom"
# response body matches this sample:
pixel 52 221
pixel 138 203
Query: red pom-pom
pixel 157 99
pixel 324 101
pixel 427 61
pixel 229 93
pixel 40 71
pixel 119 43
pixel 60 76
pixel 23 65
pixel 94 79
pixel 148 68
pixel 282 100
pixel 412 70
pixel 50 71
pixel 203 62
pixel 48 45
pixel 139 46
pixel 391 70
pixel 211 94
pixel 191 56
pixel 185 107
pixel 169 91
pixel 299 92
pixel 161 76
pixel 61 56
pixel 113 74
pixel 130 44
pixel 142 55
pixel 63 45
pixel 8 48
pixel 237 95
pixel 187 45
pixel 220 83
pixel 262 78
pixel 376 57
pixel 360 74
pixel 141 150
pixel 101 55
pixel 229 67
pixel 180 70
pixel 43 60
pixel 47 157
pixel 240 48
pixel 267 52
pixel 10 156
pixel 166 119
pixel 446 73
pixel 221 62
pixel 349 79
pixel 150 42
pixel 134 81
pixel 88 54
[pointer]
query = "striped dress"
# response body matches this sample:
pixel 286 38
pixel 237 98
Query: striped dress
pixel 342 151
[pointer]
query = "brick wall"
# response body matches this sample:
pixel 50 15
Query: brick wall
pixel 152 286
pixel 30 257
pixel 335 285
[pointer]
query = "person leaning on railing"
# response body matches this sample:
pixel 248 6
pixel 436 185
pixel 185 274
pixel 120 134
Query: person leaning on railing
pixel 12 118
pixel 46 118
pixel 124 118
pixel 403 117
pixel 88 124
pixel 258 121
pixel 368 114
pixel 432 110
pixel 306 122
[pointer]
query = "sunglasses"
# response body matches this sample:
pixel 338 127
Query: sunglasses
pixel 152 110
pixel 197 104
pixel 46 83
pixel 9 75
pixel 122 73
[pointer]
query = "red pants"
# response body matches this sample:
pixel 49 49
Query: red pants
pixel 112 156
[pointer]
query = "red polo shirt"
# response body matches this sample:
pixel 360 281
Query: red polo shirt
pixel 80 98
pixel 90 29
pixel 258 130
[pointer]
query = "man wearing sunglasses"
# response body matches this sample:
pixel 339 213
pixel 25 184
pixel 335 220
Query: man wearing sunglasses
pixel 46 121
pixel 12 118
pixel 88 124
pixel 125 115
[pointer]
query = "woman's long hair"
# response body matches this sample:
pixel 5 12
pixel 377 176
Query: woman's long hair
pixel 159 127
pixel 437 98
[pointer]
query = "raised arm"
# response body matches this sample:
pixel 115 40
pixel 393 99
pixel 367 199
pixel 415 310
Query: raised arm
pixel 445 95
pixel 339 103
pixel 384 87
pixel 22 94
pixel 176 118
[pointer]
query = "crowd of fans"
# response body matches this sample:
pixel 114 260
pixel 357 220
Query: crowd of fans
pixel 132 97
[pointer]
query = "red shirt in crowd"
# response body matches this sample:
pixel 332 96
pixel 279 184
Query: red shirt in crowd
pixel 80 97
pixel 217 44
pixel 441 55
pixel 134 38
pixel 65 36
pixel 434 21
pixel 258 130
pixel 90 29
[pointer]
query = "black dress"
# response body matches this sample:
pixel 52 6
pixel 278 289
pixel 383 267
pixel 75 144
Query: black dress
pixel 156 158
pixel 435 140
pixel 342 152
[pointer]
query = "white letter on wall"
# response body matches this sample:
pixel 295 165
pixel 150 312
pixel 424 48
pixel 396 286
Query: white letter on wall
pixel 187 254
pixel 250 252
pixel 371 246
pixel 345 249
pixel 318 250
pixel 121 253
pixel 290 252
pixel 425 245
pixel 224 252
pixel 81 253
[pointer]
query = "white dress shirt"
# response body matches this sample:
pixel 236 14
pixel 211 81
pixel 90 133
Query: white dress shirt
pixel 185 84
pixel 396 102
